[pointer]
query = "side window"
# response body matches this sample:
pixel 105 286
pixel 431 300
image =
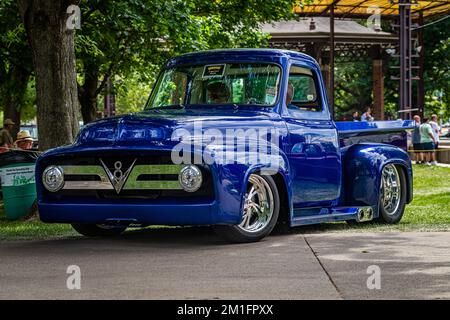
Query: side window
pixel 302 94
pixel 304 89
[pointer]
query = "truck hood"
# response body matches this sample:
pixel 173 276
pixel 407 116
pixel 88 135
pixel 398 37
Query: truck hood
pixel 157 127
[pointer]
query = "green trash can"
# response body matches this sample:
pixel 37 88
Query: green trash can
pixel 18 186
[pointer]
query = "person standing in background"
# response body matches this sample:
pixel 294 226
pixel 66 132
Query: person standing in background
pixel 427 141
pixel 24 140
pixel 417 146
pixel 355 116
pixel 6 140
pixel 436 129
pixel 367 116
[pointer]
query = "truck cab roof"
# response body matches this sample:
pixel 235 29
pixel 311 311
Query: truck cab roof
pixel 256 55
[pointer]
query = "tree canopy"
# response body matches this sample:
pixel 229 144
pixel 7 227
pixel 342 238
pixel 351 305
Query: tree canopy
pixel 127 42
pixel 15 64
pixel 437 69
pixel 119 38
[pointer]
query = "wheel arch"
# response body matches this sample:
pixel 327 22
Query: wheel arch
pixel 284 217
pixel 282 181
pixel 408 177
pixel 363 164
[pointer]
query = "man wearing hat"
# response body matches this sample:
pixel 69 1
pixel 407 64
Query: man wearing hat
pixel 24 140
pixel 5 135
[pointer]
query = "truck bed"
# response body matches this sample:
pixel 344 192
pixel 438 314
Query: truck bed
pixel 390 132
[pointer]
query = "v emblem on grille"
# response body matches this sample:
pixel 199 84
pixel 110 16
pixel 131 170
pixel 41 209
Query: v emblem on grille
pixel 117 177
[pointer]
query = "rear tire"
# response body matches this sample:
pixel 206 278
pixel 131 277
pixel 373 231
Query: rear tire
pixel 96 230
pixel 261 211
pixel 392 194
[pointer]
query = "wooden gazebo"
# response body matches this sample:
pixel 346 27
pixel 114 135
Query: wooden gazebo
pixel 352 42
pixel 402 12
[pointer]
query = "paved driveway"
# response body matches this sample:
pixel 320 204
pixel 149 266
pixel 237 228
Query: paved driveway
pixel 195 264
pixel 413 265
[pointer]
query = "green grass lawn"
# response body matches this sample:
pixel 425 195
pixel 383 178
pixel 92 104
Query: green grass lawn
pixel 430 211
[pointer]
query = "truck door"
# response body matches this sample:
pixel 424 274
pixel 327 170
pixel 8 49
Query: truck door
pixel 313 147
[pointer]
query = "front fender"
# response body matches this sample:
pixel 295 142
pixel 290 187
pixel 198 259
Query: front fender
pixel 232 181
pixel 363 164
pixel 282 170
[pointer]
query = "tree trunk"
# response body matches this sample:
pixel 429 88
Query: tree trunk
pixel 52 45
pixel 11 110
pixel 14 92
pixel 88 94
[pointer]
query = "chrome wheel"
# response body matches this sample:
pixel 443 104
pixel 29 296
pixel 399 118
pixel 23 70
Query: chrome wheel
pixel 258 205
pixel 390 189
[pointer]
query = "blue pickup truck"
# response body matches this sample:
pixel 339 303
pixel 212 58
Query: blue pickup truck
pixel 236 139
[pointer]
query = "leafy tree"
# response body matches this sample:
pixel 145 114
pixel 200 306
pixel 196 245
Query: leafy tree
pixel 15 63
pixel 437 69
pixel 131 94
pixel 353 80
pixel 52 48
pixel 353 87
pixel 119 38
pixel 128 41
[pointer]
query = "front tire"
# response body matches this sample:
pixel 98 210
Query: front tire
pixel 392 194
pixel 261 211
pixel 98 230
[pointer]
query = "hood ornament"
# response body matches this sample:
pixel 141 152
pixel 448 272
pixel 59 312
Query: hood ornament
pixel 117 177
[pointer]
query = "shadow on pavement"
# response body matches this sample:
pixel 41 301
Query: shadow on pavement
pixel 175 237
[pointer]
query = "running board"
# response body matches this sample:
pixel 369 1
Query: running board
pixel 360 214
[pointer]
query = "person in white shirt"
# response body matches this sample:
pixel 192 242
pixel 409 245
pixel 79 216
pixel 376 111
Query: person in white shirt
pixel 436 129
pixel 417 146
pixel 367 116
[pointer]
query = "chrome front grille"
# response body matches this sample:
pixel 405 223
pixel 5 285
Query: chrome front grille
pixel 154 176
pixel 85 177
pixel 141 177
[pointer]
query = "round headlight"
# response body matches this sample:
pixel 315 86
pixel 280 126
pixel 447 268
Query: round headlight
pixel 53 178
pixel 190 178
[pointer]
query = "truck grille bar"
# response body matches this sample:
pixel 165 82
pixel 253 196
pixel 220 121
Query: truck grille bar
pixel 141 177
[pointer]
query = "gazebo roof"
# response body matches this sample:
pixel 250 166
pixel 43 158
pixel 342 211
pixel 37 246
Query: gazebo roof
pixel 347 8
pixel 348 31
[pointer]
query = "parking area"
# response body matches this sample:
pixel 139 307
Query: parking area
pixel 192 263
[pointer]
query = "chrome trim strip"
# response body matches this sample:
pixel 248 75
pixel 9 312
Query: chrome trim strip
pixel 156 185
pixel 86 170
pixel 156 169
pixel 87 185
pixel 132 183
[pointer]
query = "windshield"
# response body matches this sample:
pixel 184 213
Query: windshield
pixel 215 84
